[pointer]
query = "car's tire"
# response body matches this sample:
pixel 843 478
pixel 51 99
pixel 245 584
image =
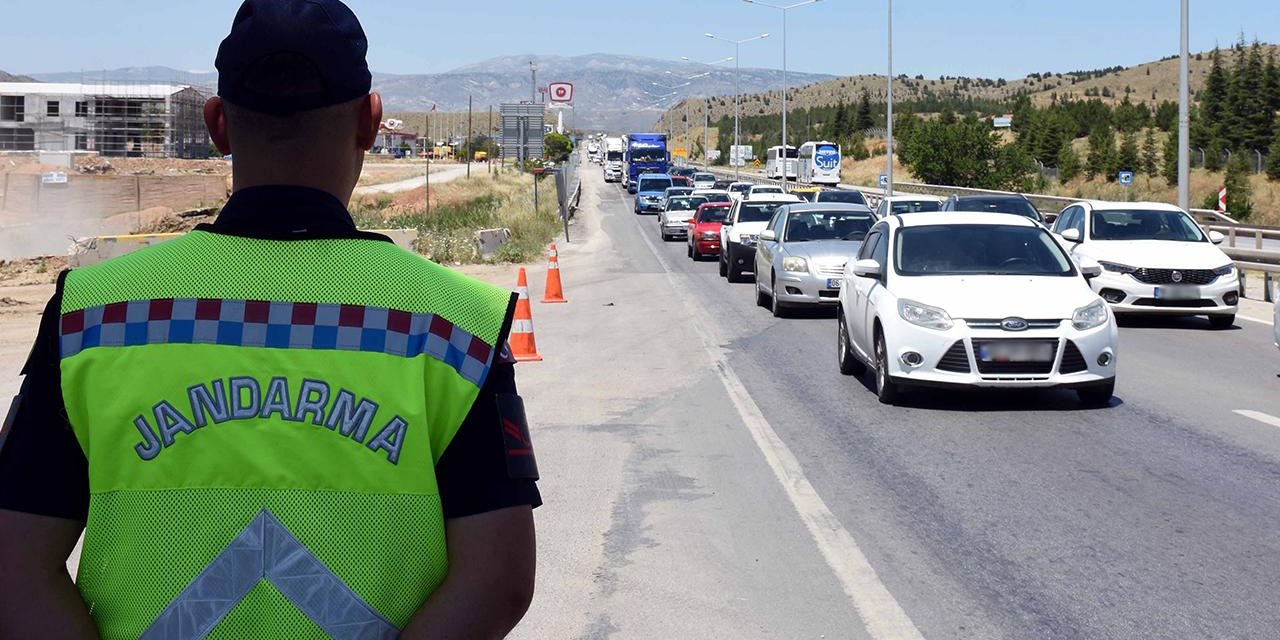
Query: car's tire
pixel 775 305
pixel 688 249
pixel 1097 395
pixel 886 389
pixel 724 266
pixel 849 363
pixel 1222 322
pixel 735 274
pixel 762 299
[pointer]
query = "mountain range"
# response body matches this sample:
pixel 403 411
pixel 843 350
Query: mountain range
pixel 612 92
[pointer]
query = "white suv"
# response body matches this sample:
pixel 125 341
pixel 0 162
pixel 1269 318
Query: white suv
pixel 1155 259
pixel 741 231
pixel 973 299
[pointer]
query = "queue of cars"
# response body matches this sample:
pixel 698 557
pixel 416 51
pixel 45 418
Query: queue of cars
pixel 973 291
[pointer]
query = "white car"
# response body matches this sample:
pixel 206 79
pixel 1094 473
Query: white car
pixel 739 234
pixel 900 204
pixel 704 180
pixel 973 299
pixel 673 222
pixel 763 189
pixel 739 189
pixel 1155 259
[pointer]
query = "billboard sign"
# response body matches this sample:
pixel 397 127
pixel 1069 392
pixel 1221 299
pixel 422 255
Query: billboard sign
pixel 827 157
pixel 561 92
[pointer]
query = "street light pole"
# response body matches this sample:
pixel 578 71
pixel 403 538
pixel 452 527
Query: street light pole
pixel 888 188
pixel 737 88
pixel 783 9
pixel 1184 115
pixel 706 112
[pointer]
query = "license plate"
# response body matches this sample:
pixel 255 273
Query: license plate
pixel 1016 352
pixel 1177 293
pixel 833 283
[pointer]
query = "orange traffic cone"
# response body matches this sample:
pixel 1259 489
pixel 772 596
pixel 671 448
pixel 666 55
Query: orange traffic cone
pixel 523 346
pixel 555 292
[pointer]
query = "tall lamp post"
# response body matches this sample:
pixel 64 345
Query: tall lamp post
pixel 676 87
pixel 1184 116
pixel 783 9
pixel 888 187
pixel 706 115
pixel 737 86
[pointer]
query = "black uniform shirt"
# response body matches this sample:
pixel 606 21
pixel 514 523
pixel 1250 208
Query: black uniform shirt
pixel 43 470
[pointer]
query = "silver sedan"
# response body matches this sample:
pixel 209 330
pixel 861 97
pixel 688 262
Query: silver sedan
pixel 801 255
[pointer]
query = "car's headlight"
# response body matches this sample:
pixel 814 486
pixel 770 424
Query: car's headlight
pixel 1224 270
pixel 923 315
pixel 1092 315
pixel 710 235
pixel 795 265
pixel 1117 267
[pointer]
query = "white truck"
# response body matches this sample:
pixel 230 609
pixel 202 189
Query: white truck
pixel 613 169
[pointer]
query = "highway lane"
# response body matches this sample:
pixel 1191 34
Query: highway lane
pixel 1022 515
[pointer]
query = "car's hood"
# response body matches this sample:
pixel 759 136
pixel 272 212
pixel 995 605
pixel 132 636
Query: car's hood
pixel 679 214
pixel 650 194
pixel 838 250
pixel 748 228
pixel 702 227
pixel 1157 254
pixel 996 297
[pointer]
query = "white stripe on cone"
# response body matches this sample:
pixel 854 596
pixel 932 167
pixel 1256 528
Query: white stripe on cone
pixel 521 326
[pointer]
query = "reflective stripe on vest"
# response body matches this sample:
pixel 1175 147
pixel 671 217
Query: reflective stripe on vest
pixel 266 550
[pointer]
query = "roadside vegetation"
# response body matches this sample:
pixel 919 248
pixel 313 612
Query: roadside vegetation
pixel 446 233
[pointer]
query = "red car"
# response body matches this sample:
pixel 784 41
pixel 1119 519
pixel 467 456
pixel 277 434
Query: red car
pixel 681 181
pixel 704 229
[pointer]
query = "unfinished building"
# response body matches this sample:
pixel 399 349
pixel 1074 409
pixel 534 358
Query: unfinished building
pixel 114 120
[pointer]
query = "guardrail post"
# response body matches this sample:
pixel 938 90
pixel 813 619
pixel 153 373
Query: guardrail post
pixel 1257 239
pixel 1231 237
pixel 1266 287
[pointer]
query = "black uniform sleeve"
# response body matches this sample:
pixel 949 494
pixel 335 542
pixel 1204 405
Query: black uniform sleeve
pixel 474 475
pixel 43 470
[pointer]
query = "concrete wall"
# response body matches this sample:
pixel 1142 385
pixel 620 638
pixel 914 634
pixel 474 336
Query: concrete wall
pixel 39 219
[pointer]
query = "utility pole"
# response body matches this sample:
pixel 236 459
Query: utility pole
pixel 426 124
pixel 783 9
pixel 1184 115
pixel 489 136
pixel 888 188
pixel 469 155
pixel 737 90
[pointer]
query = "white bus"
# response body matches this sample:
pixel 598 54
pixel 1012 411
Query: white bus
pixel 819 163
pixel 775 163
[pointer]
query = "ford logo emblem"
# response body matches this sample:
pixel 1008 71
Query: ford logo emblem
pixel 1014 324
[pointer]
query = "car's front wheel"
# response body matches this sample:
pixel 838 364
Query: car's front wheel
pixel 724 266
pixel 886 389
pixel 850 365
pixel 1098 395
pixel 775 305
pixel 1222 322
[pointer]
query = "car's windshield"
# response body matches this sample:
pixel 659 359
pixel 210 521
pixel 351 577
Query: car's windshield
pixel 685 203
pixel 914 206
pixel 1139 224
pixel 703 177
pixel 792 152
pixel 739 188
pixel 654 184
pixel 1015 205
pixel 723 185
pixel 766 190
pixel 713 214
pixel 649 155
pixel 848 197
pixel 757 211
pixel 969 249
pixel 614 155
pixel 718 197
pixel 803 226
pixel 678 191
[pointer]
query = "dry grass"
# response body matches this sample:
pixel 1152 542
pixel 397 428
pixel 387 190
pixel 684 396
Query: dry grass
pixel 461 207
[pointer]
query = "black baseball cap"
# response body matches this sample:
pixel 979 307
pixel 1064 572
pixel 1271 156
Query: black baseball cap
pixel 286 56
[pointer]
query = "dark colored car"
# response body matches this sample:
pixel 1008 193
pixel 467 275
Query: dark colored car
pixel 1015 204
pixel 686 172
pixel 844 196
pixel 682 181
pixel 723 185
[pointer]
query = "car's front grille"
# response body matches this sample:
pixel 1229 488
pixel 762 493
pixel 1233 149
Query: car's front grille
pixel 998 368
pixel 1166 276
pixel 985 323
pixel 830 270
pixel 955 360
pixel 1072 359
pixel 1154 302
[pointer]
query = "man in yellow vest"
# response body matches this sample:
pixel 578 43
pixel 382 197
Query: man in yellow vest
pixel 275 426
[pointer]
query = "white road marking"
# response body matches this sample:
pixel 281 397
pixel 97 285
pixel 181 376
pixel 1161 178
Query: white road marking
pixel 880 612
pixel 1240 316
pixel 1259 416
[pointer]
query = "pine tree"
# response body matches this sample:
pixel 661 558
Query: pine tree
pixel 1213 103
pixel 1213 155
pixel 1068 163
pixel 1273 155
pixel 1102 154
pixel 839 123
pixel 1170 167
pixel 864 120
pixel 1128 159
pixel 1253 114
pixel 1239 191
pixel 1150 154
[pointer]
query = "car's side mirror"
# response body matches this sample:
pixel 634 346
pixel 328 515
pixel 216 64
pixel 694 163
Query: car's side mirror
pixel 1090 269
pixel 768 235
pixel 1071 235
pixel 868 268
pixel 1217 237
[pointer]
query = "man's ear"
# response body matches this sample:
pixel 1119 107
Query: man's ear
pixel 215 118
pixel 370 120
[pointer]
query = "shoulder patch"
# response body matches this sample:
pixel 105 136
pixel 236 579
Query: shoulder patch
pixel 518 446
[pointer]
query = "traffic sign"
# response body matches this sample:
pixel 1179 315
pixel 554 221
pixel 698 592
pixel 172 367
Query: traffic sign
pixel 1125 178
pixel 884 181
pixel 561 92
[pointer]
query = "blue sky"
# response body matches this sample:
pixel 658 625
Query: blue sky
pixel 992 38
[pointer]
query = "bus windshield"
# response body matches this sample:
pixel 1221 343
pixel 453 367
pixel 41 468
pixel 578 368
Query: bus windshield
pixel 649 155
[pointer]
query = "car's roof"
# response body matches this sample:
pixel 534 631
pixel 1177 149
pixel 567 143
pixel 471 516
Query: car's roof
pixel 1109 205
pixel 654 175
pixel 912 196
pixel 710 192
pixel 679 188
pixel 829 206
pixel 716 204
pixel 931 218
pixel 992 196
pixel 773 197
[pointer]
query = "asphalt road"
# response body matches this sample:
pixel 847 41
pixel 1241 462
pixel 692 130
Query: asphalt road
pixel 985 515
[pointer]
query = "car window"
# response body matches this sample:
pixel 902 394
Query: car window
pixel 880 209
pixel 685 203
pixel 757 211
pixel 807 226
pixel 979 249
pixel 914 206
pixel 1077 221
pixel 1144 224
pixel 848 197
pixel 868 245
pixel 880 252
pixel 713 214
pixel 1003 204
pixel 654 184
pixel 1067 219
